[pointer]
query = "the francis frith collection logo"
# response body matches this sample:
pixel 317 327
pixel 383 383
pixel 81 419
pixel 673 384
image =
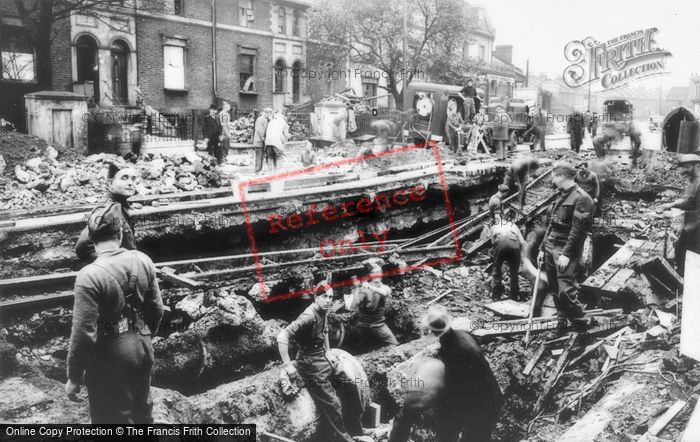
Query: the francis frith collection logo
pixel 616 62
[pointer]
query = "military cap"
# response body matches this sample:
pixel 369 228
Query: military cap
pixel 563 168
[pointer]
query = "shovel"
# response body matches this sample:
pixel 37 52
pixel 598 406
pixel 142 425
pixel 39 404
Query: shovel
pixel 532 305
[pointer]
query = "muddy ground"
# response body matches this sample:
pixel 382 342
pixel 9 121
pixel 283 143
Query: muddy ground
pixel 33 348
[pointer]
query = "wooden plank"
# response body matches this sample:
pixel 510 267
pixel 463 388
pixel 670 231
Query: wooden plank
pixel 554 376
pixel 589 349
pixel 601 276
pixel 533 361
pixel 667 417
pixel 445 293
pixel 617 282
pixel 509 308
pixel 182 281
pixel 35 301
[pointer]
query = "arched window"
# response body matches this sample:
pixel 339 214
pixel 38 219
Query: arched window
pixel 281 20
pixel 280 76
pixel 88 63
pixel 296 23
pixel 120 60
pixel 296 81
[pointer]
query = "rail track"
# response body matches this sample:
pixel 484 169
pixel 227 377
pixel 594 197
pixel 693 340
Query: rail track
pixel 42 291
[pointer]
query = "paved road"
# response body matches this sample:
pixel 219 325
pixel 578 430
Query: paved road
pixel 650 140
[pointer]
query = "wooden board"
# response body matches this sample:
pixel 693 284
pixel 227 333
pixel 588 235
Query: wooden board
pixel 509 308
pixel 612 276
pixel 667 417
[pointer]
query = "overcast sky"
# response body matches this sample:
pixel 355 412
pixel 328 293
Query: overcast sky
pixel 539 30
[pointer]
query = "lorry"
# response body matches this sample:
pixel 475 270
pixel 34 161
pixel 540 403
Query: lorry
pixel 535 98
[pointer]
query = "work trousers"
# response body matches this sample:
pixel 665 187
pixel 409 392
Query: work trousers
pixel 259 156
pixel 680 250
pixel 509 252
pixel 272 153
pixel 119 380
pixel 514 187
pixel 562 285
pixel 317 372
pixel 212 144
pixel 377 336
pixel 222 150
pixel 576 141
pixel 475 425
pixel 469 108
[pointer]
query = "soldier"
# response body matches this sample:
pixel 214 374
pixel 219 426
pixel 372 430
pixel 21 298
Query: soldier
pixel 575 126
pixel 496 201
pixel 507 243
pixel 588 181
pixel 121 186
pixel 471 399
pixel 570 220
pixel 315 363
pixel 518 175
pixel 116 311
pixel 689 239
pixel 370 298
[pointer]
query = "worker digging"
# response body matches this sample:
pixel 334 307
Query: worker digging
pixel 349 221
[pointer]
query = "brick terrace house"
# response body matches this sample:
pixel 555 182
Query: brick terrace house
pixel 259 45
pixel 184 54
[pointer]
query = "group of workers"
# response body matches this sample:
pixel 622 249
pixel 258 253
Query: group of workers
pixel 560 246
pixel 270 134
pixel 118 306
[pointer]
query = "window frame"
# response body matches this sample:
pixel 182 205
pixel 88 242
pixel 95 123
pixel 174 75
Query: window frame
pixel 22 47
pixel 296 23
pixel 281 20
pixel 182 7
pixel 243 13
pixel 252 57
pixel 279 79
pixel 175 42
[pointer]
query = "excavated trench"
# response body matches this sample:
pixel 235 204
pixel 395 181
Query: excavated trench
pixel 219 343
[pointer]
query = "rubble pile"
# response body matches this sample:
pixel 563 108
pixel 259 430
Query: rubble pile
pixel 242 130
pixel 16 148
pixel 655 172
pixel 44 181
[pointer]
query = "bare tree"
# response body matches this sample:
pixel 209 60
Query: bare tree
pixel 370 33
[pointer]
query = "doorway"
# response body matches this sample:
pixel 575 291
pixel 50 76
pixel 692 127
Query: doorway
pixel 120 57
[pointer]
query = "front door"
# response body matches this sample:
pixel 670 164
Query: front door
pixel 62 128
pixel 119 77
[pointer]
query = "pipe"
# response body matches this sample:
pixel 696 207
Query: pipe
pixel 213 48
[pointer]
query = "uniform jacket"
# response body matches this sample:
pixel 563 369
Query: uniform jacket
pixel 99 304
pixel 309 330
pixel 84 247
pixel 588 181
pixel 569 222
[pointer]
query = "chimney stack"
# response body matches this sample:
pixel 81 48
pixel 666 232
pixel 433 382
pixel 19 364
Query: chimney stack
pixel 504 52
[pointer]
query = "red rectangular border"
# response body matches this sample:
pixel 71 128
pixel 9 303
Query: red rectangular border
pixel 295 294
